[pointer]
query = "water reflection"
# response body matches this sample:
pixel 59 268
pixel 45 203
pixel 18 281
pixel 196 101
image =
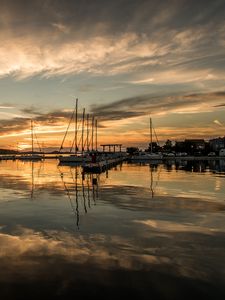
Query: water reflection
pixel 217 166
pixel 155 170
pixel 33 179
pixel 85 234
pixel 35 174
pixel 81 188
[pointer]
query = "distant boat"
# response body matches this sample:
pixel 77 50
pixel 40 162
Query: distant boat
pixel 31 156
pixel 145 156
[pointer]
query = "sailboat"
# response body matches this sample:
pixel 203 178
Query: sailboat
pixel 32 156
pixel 145 156
pixel 75 158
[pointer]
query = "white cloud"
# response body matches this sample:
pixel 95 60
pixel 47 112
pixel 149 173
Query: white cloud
pixel 161 59
pixel 218 123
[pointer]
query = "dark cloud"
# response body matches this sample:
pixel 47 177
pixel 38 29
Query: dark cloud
pixel 52 118
pixel 148 104
pixel 118 110
pixel 220 105
pixel 30 111
pixel 14 125
pixel 177 33
pixel 110 16
pixel 17 124
pixel 215 95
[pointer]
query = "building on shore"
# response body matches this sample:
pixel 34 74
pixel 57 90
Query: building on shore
pixel 191 146
pixel 217 144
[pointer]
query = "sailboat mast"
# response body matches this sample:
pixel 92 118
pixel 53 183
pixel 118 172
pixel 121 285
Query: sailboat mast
pixel 32 180
pixel 92 133
pixel 32 136
pixel 75 146
pixel 96 135
pixel 82 133
pixel 76 193
pixel 88 132
pixel 151 134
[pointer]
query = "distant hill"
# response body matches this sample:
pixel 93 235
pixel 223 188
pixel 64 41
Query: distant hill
pixel 7 151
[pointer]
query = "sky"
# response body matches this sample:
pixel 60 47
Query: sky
pixel 125 61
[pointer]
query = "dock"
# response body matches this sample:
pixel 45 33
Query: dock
pixel 102 165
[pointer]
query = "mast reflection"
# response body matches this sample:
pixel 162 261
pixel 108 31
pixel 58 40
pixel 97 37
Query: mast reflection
pixel 33 175
pixel 81 190
pixel 154 169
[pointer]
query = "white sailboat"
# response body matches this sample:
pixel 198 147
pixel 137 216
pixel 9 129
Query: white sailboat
pixel 146 156
pixel 32 156
pixel 75 157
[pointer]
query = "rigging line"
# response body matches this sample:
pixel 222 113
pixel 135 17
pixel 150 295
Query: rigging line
pixel 71 148
pixel 71 118
pixel 79 141
pixel 89 144
pixel 85 143
pixel 84 197
pixel 86 184
pixel 75 210
pixel 158 177
pixel 39 169
pixel 37 141
pixel 156 136
pixel 73 144
pixel 88 191
pixel 152 181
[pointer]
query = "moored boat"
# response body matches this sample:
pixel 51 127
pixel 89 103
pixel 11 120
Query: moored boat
pixel 143 156
pixel 31 156
pixel 147 156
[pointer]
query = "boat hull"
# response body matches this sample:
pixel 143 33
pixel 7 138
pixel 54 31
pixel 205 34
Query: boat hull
pixel 147 157
pixel 31 158
pixel 73 159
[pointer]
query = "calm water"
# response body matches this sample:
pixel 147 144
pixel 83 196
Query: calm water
pixel 151 232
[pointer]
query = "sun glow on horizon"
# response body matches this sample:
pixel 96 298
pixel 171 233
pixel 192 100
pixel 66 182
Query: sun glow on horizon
pixel 128 132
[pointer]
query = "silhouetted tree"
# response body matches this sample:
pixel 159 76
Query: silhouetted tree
pixel 155 147
pixel 168 146
pixel 132 150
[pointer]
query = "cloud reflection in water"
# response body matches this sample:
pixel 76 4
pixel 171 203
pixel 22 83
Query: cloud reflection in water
pixel 166 245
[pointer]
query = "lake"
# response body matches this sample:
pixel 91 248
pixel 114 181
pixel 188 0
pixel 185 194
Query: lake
pixel 139 230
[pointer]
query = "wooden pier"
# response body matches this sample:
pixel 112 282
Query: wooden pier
pixel 102 165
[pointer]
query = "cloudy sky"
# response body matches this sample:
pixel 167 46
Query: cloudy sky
pixel 124 60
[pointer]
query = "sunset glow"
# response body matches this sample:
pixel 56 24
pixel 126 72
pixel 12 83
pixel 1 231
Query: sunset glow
pixel 162 60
